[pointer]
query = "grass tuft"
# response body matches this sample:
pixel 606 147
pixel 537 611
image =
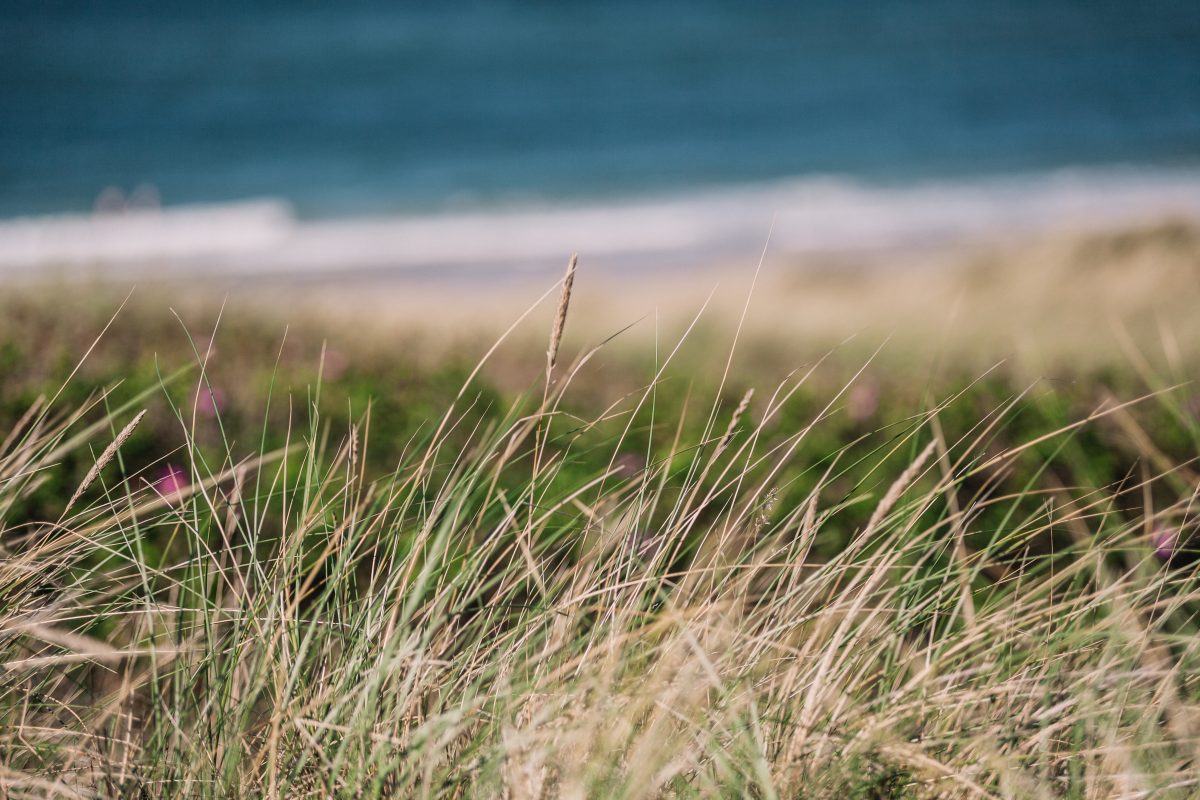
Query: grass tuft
pixel 504 611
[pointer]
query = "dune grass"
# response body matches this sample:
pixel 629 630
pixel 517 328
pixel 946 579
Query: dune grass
pixel 679 595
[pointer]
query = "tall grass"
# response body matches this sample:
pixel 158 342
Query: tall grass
pixel 492 620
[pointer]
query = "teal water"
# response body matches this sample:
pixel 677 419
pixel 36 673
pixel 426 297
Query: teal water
pixel 353 108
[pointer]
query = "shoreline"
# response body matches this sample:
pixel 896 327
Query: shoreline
pixel 811 218
pixel 1039 302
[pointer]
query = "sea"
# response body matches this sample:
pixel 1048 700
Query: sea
pixel 361 135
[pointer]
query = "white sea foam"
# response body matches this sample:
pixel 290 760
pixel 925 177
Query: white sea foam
pixel 806 215
pixel 194 234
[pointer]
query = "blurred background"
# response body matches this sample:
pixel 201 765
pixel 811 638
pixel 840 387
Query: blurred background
pixel 335 150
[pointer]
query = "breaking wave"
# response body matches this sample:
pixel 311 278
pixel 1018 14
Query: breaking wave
pixel 801 215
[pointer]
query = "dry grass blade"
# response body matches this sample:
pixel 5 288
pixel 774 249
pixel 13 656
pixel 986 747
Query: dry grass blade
pixel 560 317
pixel 67 640
pixel 897 488
pixel 109 453
pixel 735 419
pixel 25 419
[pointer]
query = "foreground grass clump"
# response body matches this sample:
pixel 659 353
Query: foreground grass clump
pixel 508 613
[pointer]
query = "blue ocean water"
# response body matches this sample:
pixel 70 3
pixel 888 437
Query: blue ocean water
pixel 354 108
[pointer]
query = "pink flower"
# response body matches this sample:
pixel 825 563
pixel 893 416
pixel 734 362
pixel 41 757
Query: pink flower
pixel 629 465
pixel 171 481
pixel 1165 541
pixel 863 400
pixel 209 401
pixel 334 365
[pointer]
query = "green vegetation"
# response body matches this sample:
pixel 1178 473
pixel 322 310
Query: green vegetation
pixel 315 568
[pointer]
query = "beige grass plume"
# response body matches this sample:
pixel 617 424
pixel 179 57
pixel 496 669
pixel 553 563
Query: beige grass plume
pixel 897 489
pixel 109 453
pixel 735 419
pixel 560 318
